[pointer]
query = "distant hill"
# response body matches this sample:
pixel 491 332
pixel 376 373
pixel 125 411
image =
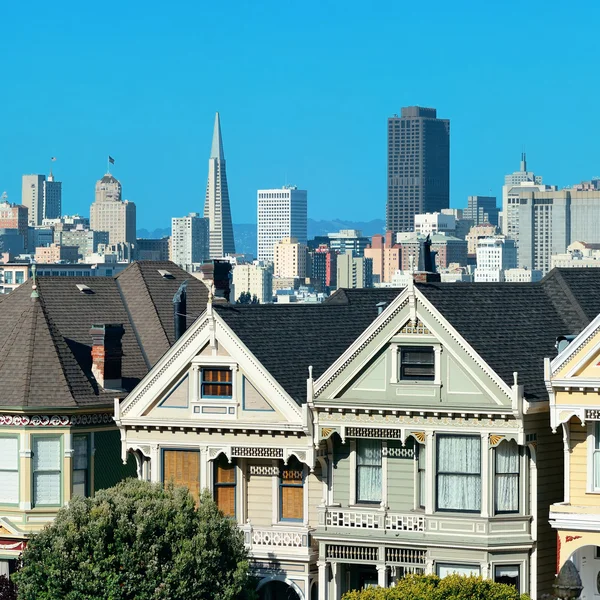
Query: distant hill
pixel 245 233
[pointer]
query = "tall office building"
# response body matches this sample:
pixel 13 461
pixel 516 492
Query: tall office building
pixel 216 203
pixel 290 258
pixel 510 201
pixel 52 198
pixel 282 213
pixel 42 197
pixel 189 240
pixel 418 166
pixel 482 209
pixel 32 196
pixel 111 214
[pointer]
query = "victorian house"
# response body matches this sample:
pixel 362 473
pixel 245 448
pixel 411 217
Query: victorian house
pixel 380 433
pixel 573 379
pixel 68 347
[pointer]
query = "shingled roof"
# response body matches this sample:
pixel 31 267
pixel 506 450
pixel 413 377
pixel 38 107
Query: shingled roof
pixel 45 343
pixel 513 326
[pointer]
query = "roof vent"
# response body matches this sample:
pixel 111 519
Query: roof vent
pixel 84 289
pixel 165 274
pixel 380 307
pixel 562 341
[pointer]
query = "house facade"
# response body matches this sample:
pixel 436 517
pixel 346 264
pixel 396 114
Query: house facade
pixel 573 378
pixel 380 433
pixel 68 347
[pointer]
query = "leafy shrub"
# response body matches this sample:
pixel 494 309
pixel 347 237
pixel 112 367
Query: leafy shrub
pixel 137 540
pixel 431 587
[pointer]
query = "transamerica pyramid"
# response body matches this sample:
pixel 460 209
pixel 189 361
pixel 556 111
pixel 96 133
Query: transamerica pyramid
pixel 216 204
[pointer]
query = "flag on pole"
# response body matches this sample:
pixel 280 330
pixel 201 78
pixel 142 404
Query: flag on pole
pixel 53 158
pixel 111 160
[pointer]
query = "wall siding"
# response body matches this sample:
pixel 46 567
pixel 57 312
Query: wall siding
pixel 341 472
pixel 260 500
pixel 315 495
pixel 401 479
pixel 578 467
pixel 550 489
pixel 108 466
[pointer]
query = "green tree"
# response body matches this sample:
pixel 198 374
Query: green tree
pixel 431 587
pixel 255 299
pixel 244 298
pixel 137 540
pixel 8 591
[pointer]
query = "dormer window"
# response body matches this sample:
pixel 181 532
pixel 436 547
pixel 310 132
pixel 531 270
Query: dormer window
pixel 417 364
pixel 217 383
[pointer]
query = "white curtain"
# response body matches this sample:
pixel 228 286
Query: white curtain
pixel 46 471
pixel 368 471
pixel 459 473
pixel 9 470
pixel 507 477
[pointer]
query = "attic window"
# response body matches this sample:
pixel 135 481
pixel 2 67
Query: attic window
pixel 165 274
pixel 84 289
pixel 417 364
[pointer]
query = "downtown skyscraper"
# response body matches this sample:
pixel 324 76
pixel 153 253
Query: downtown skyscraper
pixel 418 166
pixel 216 203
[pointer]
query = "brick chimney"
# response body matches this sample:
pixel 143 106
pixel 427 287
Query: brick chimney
pixel 107 355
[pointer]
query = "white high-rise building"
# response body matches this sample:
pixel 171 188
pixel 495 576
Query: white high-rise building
pixel 43 198
pixel 216 203
pixel 494 256
pixel 431 223
pixel 189 240
pixel 510 208
pixel 282 213
pixel 32 196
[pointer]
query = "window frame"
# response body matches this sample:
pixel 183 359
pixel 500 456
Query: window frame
pixel 518 566
pixel 437 474
pixel 357 466
pixel 202 382
pixel 18 469
pixel 518 474
pixel 222 484
pixel 594 450
pixel 420 378
pixel 463 566
pixel 421 475
pixel 88 491
pixel 282 485
pixel 34 439
pixel 165 449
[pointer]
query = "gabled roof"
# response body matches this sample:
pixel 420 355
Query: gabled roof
pixel 512 326
pixel 45 344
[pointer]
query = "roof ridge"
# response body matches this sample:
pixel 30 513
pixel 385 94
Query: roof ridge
pixel 147 289
pixel 30 351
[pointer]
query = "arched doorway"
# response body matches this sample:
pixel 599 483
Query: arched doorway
pixel 277 590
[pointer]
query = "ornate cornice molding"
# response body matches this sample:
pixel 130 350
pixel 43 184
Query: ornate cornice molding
pixel 56 420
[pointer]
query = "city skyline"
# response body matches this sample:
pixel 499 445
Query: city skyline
pixel 161 121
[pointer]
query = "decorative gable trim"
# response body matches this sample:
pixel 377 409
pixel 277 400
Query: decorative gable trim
pixel 414 327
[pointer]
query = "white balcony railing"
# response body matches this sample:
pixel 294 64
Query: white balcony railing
pixel 277 539
pixel 374 518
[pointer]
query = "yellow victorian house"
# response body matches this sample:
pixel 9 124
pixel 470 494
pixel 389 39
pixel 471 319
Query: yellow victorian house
pixel 573 381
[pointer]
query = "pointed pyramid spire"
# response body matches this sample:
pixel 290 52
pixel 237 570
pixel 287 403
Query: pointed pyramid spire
pixel 217 142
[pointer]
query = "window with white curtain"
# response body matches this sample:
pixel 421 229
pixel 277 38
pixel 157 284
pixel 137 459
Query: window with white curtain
pixel 80 465
pixel 507 477
pixel 46 471
pixel 368 471
pixel 9 470
pixel 459 473
pixel 597 456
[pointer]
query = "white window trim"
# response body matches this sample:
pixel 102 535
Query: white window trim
pixel 523 574
pixel 591 448
pixel 353 500
pixel 196 388
pixel 396 348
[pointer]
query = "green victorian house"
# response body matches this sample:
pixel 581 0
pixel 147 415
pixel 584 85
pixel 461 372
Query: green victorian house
pixel 68 347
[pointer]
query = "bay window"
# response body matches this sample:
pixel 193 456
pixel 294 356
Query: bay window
pixel 508 574
pixel 507 477
pixel 421 481
pixel 9 470
pixel 368 471
pixel 459 473
pixel 46 471
pixel 182 468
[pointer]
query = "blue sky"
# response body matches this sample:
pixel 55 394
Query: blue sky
pixel 304 90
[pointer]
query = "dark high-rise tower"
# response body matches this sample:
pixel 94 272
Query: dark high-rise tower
pixel 418 166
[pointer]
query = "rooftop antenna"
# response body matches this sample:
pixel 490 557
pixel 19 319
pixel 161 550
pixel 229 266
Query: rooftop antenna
pixel 4 197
